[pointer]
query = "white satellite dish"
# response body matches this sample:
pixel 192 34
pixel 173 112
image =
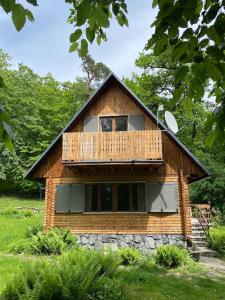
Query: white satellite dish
pixel 171 122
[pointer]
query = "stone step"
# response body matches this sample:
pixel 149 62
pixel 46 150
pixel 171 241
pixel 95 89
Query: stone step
pixel 198 238
pixel 199 243
pixel 203 252
pixel 198 233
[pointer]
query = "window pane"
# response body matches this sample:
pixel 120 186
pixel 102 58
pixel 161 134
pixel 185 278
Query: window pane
pixel 121 123
pixel 106 198
pixel 91 198
pixel 106 124
pixel 123 197
pixel 138 197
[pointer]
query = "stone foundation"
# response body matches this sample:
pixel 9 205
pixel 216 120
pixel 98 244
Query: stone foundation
pixel 144 242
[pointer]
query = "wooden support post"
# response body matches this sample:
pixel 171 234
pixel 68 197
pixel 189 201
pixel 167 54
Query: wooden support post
pixel 183 203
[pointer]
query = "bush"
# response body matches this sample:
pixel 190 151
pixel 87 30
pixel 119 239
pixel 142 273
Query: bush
pixel 33 230
pixel 109 262
pixel 18 214
pixel 75 275
pixel 217 240
pixel 53 242
pixel 171 256
pixel 129 256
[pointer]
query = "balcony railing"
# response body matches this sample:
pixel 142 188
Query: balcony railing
pixel 112 146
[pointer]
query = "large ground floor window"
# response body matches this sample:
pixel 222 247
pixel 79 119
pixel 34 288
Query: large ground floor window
pixel 115 197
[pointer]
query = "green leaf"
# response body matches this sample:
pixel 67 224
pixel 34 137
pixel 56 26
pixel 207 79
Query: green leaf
pixel 211 14
pixel 29 15
pixel 188 33
pixel 199 71
pixel 173 31
pixel 204 43
pixel 73 47
pixel 181 74
pixel 90 34
pixel 211 138
pixel 160 46
pixel 213 35
pixel 83 12
pixel 213 71
pixel 101 17
pixel 7 5
pixel 187 105
pixel 33 2
pixel 177 95
pixel 83 51
pixel 99 40
pixel 1 82
pixel 115 8
pixel 75 36
pixel 214 52
pixel 18 16
pixel 154 3
pixel 179 50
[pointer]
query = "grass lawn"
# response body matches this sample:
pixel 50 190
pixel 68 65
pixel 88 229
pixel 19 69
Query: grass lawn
pixel 162 285
pixel 12 229
pixel 139 283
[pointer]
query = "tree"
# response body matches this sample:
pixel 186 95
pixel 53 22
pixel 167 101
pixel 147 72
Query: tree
pixel 155 86
pixel 95 72
pixel 43 107
pixel 192 33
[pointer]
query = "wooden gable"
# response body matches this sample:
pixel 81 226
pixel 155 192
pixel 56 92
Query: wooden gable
pixel 115 101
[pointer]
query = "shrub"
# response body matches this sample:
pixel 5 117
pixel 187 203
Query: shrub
pixel 33 230
pixel 18 214
pixel 217 239
pixel 129 256
pixel 109 262
pixel 21 246
pixel 55 241
pixel 75 275
pixel 171 256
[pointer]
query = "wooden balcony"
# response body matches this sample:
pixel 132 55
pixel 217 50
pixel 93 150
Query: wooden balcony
pixel 112 147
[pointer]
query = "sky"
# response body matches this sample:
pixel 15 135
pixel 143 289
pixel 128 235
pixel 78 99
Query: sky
pixel 43 45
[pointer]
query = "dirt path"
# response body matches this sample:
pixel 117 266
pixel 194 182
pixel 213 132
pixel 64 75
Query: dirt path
pixel 215 266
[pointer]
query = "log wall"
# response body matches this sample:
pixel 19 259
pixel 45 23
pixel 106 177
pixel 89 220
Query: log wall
pixel 126 223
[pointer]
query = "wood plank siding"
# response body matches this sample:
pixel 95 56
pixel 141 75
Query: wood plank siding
pixel 155 144
pixel 117 222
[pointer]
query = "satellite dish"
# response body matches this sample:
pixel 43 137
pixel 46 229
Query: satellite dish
pixel 171 122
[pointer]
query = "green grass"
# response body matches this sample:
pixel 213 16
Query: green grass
pixel 13 229
pixel 9 265
pixel 163 285
pixel 139 283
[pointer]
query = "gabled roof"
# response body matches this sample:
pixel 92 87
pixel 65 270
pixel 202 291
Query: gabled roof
pixel 108 81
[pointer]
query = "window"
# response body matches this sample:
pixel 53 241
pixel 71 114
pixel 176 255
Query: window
pixel 118 123
pixel 115 197
pixel 106 198
pixel 123 197
pixel 106 124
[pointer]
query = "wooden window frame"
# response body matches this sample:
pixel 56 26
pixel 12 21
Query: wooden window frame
pixel 113 121
pixel 115 198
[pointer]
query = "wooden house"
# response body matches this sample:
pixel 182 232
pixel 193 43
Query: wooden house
pixel 115 176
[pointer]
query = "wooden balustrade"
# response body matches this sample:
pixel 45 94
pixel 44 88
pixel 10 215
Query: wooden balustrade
pixel 112 146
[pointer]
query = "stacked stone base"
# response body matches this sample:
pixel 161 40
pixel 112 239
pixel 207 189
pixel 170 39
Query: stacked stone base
pixel 143 242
